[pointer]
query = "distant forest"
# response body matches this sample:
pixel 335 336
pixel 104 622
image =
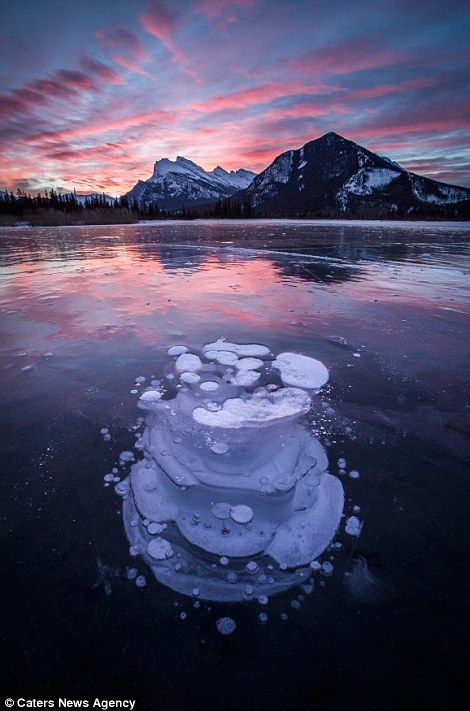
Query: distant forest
pixel 52 208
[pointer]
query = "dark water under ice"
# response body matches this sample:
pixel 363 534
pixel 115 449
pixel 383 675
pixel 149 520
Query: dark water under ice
pixel 84 311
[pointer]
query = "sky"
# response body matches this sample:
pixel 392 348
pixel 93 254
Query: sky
pixel 94 92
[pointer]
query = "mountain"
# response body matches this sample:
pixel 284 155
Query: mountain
pixel 182 183
pixel 83 197
pixel 335 177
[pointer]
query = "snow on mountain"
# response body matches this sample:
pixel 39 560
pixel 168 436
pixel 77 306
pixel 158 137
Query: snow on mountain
pixel 332 176
pixel 182 182
pixel 82 198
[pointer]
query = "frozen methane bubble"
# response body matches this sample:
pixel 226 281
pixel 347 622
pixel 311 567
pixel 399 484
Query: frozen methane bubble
pixel 246 378
pixel 301 371
pixel 220 448
pixel 230 478
pixel 209 385
pixel 190 378
pixel 154 528
pixel 249 364
pixel 353 526
pixel 177 350
pixel 159 549
pixel 252 412
pixel 151 396
pixel 252 349
pixel 241 513
pixel 187 362
pixel 226 357
pixel 225 625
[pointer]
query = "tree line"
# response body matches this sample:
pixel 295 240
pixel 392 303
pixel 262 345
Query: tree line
pixel 53 208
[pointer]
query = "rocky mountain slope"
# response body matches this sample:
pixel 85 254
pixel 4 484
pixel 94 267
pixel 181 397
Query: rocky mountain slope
pixel 334 177
pixel 182 183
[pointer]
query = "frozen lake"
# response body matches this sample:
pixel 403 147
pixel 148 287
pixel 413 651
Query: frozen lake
pixel 86 310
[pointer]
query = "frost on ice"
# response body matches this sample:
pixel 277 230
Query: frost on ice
pixel 232 497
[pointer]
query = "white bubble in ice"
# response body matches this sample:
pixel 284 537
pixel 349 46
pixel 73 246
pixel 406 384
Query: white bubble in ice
pixel 342 463
pixel 354 474
pixel 246 378
pixel 315 565
pixel 154 528
pixel 190 378
pixel 256 411
pixel 159 549
pixel 226 358
pixel 241 513
pixel 151 396
pixel 219 448
pixel 301 371
pixel 140 581
pixel 263 618
pixel 139 380
pixel 209 385
pixel 353 526
pixel 251 349
pixel 326 568
pixel 221 510
pixel 225 625
pixel 187 362
pixel 177 350
pixel 268 497
pixel 249 364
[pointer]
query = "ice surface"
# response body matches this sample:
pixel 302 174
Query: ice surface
pixel 301 371
pixel 232 497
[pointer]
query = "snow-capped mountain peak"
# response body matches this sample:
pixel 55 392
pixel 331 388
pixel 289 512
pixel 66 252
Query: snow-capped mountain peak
pixel 181 182
pixel 332 176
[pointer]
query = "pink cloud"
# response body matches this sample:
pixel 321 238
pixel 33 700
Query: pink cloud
pixel 353 56
pixel 62 85
pixel 127 49
pixel 162 22
pixel 223 12
pixel 386 89
pixel 130 65
pixel 123 40
pixel 256 95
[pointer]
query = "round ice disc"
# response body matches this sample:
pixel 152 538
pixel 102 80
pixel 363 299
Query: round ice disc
pixel 241 513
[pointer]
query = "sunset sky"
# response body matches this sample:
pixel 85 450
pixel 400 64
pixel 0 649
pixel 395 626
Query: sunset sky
pixel 94 91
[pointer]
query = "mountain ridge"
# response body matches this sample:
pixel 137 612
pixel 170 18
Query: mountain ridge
pixel 183 183
pixel 332 176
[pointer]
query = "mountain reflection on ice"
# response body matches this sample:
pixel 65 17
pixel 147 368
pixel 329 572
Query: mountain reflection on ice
pixel 232 499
